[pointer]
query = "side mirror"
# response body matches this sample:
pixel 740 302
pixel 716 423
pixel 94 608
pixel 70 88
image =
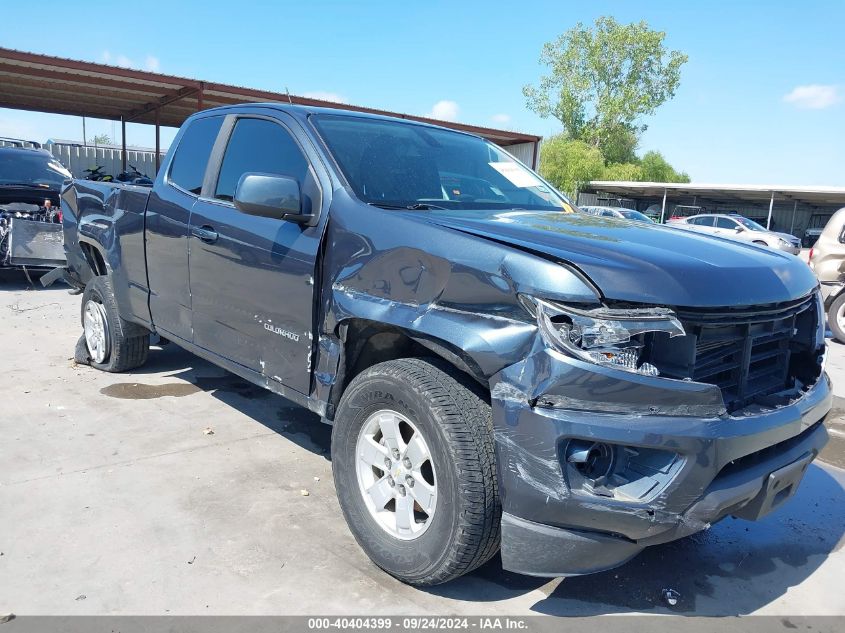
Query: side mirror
pixel 270 196
pixel 739 229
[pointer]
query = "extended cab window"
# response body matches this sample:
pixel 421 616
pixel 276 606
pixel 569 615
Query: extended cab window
pixel 188 167
pixel 260 146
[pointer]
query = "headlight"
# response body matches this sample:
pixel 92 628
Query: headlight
pixel 605 336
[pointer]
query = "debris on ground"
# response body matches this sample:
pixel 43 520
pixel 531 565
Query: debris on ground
pixel 208 431
pixel 191 562
pixel 304 492
pixel 5 617
pixel 316 479
pixel 671 597
pixel 81 596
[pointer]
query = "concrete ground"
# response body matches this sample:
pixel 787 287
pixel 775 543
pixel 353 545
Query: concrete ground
pixel 116 499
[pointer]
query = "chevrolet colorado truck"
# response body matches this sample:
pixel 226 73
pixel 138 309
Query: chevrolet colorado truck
pixel 500 370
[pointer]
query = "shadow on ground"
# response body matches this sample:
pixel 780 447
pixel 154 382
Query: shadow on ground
pixel 735 568
pixel 187 374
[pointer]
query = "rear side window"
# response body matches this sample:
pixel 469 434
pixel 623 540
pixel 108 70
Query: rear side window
pixel 703 221
pixel 725 223
pixel 191 159
pixel 260 146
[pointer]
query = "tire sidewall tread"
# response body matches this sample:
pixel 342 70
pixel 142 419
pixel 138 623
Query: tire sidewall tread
pixel 128 350
pixel 449 409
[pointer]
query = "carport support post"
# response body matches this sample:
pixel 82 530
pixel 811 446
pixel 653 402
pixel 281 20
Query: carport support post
pixel 158 141
pixel 794 209
pixel 123 142
pixel 771 206
pixel 663 208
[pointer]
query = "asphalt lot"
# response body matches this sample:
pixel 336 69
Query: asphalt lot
pixel 116 500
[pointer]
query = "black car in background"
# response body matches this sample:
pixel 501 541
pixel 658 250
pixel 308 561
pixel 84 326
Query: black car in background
pixel 30 216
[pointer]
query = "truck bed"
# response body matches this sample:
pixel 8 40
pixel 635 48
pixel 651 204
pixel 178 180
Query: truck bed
pixel 104 232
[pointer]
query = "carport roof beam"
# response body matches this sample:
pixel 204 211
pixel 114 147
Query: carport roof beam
pixel 44 83
pixel 160 103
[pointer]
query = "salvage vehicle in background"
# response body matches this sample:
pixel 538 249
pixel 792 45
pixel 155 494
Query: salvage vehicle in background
pixel 740 228
pixel 496 371
pixel 614 212
pixel 30 216
pixel 814 229
pixel 827 260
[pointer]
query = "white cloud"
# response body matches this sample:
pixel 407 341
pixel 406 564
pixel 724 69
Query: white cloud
pixel 814 96
pixel 444 110
pixel 326 96
pixel 151 63
pixel 501 119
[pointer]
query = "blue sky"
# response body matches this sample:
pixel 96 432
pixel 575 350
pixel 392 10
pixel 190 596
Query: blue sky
pixel 762 98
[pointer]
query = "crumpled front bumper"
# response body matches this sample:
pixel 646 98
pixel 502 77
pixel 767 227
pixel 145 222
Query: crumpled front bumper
pixel 724 464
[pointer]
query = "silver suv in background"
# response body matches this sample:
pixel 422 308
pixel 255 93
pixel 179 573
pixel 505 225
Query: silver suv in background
pixel 739 228
pixel 827 260
pixel 617 212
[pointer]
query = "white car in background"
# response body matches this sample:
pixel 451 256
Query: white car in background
pixel 616 212
pixel 738 228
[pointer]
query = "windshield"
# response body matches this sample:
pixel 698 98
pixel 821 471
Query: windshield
pixel 751 225
pixel 394 164
pixel 25 168
pixel 634 215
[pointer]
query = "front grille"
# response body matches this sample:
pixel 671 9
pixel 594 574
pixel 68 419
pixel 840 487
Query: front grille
pixel 746 352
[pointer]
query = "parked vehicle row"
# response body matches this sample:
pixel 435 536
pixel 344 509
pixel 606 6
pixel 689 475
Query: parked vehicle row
pixel 499 373
pixel 617 212
pixel 737 227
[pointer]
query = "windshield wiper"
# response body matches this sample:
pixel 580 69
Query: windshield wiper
pixel 417 206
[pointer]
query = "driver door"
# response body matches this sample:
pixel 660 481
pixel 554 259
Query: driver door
pixel 252 278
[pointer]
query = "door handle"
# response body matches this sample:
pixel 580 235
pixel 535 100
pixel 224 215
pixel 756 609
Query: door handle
pixel 206 233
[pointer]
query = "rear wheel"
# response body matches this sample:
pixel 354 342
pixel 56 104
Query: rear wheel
pixel 413 464
pixel 112 344
pixel 836 318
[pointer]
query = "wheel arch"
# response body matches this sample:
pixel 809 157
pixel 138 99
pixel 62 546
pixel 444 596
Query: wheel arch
pixel 366 343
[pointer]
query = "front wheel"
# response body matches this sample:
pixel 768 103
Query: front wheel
pixel 836 318
pixel 413 464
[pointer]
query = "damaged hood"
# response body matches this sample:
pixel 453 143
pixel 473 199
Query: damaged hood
pixel 644 263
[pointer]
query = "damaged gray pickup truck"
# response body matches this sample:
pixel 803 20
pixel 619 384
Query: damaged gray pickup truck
pixel 500 370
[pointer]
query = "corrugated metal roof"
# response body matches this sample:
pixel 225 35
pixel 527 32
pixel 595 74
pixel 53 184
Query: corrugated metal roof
pixel 43 83
pixel 735 192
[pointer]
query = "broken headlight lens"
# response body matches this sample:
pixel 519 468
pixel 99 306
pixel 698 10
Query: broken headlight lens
pixel 605 336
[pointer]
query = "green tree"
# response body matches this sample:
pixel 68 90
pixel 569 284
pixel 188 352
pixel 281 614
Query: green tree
pixel 102 139
pixel 622 171
pixel 603 80
pixel 569 163
pixel 655 169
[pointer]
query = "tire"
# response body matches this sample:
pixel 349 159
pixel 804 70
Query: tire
pixel 125 344
pixel 836 307
pixel 455 422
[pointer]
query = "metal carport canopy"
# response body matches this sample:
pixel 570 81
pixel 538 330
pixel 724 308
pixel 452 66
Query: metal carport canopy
pixel 42 83
pixel 730 193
